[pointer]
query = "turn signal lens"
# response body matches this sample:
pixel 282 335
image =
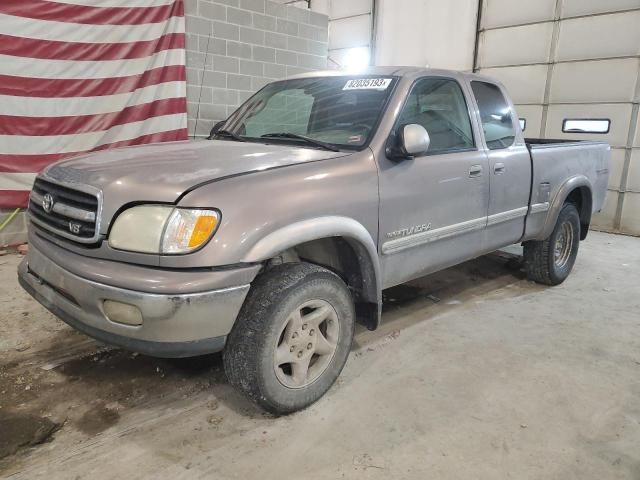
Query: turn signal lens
pixel 188 229
pixel 203 229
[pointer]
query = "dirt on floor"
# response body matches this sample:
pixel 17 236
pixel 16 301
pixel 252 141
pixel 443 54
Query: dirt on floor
pixel 475 373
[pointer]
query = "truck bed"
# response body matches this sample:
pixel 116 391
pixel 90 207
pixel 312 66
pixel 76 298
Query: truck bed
pixel 553 161
pixel 548 141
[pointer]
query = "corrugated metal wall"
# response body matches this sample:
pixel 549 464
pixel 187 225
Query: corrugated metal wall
pixel 434 33
pixel 350 26
pixel 566 59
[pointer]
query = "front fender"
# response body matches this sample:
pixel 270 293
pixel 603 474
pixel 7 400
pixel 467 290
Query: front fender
pixel 325 227
pixel 306 231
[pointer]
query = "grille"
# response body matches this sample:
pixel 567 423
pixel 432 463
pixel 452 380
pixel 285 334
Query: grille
pixel 70 213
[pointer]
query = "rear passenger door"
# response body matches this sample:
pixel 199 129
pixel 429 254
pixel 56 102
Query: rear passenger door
pixel 509 170
pixel 433 208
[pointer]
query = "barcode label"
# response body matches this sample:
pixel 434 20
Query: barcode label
pixel 368 84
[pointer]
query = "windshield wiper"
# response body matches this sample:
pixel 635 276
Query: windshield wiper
pixel 228 134
pixel 309 140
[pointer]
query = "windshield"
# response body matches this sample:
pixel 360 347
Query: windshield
pixel 339 111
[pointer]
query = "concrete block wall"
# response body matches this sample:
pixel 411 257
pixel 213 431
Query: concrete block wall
pixel 15 232
pixel 295 3
pixel 235 47
pixel 351 25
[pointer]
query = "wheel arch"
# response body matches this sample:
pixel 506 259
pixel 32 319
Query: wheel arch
pixel 582 198
pixel 577 190
pixel 339 243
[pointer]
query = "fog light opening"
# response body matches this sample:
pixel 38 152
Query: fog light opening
pixel 123 313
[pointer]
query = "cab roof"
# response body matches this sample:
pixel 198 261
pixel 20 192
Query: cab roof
pixel 398 71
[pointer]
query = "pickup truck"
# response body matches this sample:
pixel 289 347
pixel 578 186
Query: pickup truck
pixel 272 239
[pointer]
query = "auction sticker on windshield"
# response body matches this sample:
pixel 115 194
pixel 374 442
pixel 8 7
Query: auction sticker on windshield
pixel 368 84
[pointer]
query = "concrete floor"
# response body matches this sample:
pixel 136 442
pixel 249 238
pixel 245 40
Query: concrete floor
pixel 476 373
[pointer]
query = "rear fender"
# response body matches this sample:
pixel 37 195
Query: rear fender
pixel 579 181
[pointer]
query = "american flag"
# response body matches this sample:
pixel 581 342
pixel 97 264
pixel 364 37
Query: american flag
pixel 83 75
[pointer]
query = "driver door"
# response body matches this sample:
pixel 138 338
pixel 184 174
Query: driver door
pixel 433 208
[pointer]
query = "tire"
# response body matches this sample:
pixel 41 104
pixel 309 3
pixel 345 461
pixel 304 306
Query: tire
pixel 289 310
pixel 550 261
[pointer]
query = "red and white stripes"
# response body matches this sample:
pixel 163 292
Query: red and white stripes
pixel 82 75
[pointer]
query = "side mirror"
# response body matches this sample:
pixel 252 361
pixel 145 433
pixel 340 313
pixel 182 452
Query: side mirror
pixel 413 141
pixel 216 127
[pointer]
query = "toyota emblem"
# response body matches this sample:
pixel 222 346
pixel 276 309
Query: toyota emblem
pixel 47 202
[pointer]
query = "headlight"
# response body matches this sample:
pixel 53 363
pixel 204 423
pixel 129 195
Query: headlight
pixel 163 229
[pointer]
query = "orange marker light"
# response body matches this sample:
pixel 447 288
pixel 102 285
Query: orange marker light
pixel 202 230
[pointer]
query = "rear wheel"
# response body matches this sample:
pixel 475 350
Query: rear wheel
pixel 550 261
pixel 292 337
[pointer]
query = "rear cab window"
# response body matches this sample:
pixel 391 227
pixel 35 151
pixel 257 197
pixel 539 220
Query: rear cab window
pixel 495 115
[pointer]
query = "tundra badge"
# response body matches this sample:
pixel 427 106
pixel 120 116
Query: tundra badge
pixel 404 232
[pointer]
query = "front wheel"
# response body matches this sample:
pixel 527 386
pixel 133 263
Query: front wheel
pixel 292 337
pixel 550 261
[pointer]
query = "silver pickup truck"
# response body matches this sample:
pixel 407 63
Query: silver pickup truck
pixel 272 239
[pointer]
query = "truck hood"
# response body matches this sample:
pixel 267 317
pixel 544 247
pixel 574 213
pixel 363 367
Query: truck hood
pixel 163 172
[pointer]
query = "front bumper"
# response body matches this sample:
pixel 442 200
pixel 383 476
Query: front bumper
pixel 179 325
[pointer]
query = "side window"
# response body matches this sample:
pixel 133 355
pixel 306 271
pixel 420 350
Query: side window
pixel 495 115
pixel 438 105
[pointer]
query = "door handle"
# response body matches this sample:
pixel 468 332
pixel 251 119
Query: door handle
pixel 475 171
pixel 499 168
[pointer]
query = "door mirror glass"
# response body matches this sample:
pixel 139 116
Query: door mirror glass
pixel 414 140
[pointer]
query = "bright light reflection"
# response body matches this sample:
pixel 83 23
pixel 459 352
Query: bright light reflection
pixel 356 59
pixel 319 176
